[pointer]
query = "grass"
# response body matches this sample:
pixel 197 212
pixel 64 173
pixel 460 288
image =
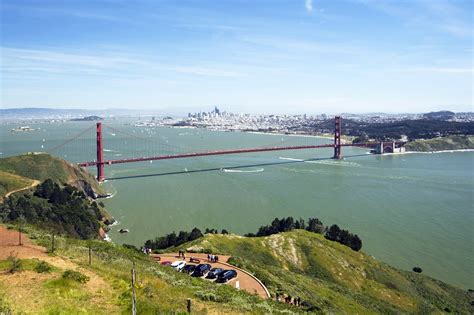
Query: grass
pixel 159 289
pixel 43 166
pixel 332 277
pixel 444 143
pixel 328 276
pixel 10 182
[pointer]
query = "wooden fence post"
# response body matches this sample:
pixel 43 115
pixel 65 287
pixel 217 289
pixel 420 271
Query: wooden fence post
pixel 52 244
pixel 189 305
pixel 19 235
pixel 134 302
pixel 90 254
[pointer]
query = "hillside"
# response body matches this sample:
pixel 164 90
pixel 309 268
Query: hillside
pixel 42 166
pixel 10 183
pixel 159 289
pixel 52 194
pixel 439 144
pixel 331 277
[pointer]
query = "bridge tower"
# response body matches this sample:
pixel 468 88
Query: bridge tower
pixel 337 138
pixel 100 154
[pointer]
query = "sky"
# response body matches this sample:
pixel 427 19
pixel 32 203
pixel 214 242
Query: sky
pixel 257 56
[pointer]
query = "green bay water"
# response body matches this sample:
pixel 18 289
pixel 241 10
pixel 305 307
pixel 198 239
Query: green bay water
pixel 409 210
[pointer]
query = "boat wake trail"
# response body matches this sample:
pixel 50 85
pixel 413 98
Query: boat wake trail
pixel 258 170
pixel 291 159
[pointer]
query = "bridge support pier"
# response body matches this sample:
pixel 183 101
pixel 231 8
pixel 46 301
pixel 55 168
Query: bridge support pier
pixel 100 154
pixel 337 138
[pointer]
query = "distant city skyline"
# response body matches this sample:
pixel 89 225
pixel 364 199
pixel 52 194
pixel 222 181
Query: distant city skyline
pixel 305 56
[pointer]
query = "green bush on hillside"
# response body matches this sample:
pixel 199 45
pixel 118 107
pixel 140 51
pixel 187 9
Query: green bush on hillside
pixel 75 276
pixel 43 267
pixel 14 262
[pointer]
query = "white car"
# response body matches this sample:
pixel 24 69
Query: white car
pixel 178 265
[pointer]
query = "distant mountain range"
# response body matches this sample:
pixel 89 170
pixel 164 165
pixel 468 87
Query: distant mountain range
pixel 51 113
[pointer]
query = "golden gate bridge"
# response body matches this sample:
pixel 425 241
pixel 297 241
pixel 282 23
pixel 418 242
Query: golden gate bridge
pixel 100 161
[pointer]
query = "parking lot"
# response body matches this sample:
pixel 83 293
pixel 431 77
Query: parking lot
pixel 245 280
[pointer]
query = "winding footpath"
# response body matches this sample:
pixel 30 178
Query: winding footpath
pixel 32 185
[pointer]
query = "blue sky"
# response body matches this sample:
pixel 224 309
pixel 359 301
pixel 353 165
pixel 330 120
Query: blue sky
pixel 284 56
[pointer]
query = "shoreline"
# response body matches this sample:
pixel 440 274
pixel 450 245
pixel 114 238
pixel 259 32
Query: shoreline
pixel 435 152
pixel 284 134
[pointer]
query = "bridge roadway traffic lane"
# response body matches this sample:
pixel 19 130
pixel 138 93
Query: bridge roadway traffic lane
pixel 247 281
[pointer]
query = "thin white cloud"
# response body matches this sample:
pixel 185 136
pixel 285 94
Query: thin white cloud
pixel 309 5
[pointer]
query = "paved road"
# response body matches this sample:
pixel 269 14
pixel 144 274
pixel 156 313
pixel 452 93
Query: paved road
pixel 246 281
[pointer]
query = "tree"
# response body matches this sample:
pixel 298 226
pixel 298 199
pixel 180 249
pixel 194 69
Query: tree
pixel 356 243
pixel 224 231
pixel 315 225
pixel 333 233
pixel 417 270
pixel 182 237
pixel 195 234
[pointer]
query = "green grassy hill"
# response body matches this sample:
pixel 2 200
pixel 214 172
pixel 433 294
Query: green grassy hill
pixel 327 275
pixel 332 277
pixel 439 144
pixel 11 182
pixel 43 166
pixel 159 289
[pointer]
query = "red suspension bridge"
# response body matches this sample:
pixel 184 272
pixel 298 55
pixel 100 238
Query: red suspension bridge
pixel 100 162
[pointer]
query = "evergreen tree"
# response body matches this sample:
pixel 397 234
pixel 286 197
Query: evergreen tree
pixel 195 234
pixel 333 233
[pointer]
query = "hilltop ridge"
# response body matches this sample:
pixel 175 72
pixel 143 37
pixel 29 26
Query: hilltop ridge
pixel 41 166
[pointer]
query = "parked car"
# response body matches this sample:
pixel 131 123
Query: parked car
pixel 178 265
pixel 165 263
pixel 189 268
pixel 201 270
pixel 226 276
pixel 214 273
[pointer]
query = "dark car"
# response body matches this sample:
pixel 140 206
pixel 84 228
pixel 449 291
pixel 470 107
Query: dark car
pixel 214 273
pixel 189 268
pixel 201 270
pixel 226 276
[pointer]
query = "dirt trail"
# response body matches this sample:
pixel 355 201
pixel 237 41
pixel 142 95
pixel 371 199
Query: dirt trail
pixel 9 245
pixel 34 184
pixel 246 281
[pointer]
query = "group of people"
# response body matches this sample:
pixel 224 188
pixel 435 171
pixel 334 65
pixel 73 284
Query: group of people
pixel 146 251
pixel 288 299
pixel 212 258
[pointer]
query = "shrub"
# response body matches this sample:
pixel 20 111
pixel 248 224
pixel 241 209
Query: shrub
pixel 15 263
pixel 417 270
pixel 206 296
pixel 43 266
pixel 75 276
pixel 133 247
pixel 234 261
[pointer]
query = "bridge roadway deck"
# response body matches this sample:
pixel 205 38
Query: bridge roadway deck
pixel 220 152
